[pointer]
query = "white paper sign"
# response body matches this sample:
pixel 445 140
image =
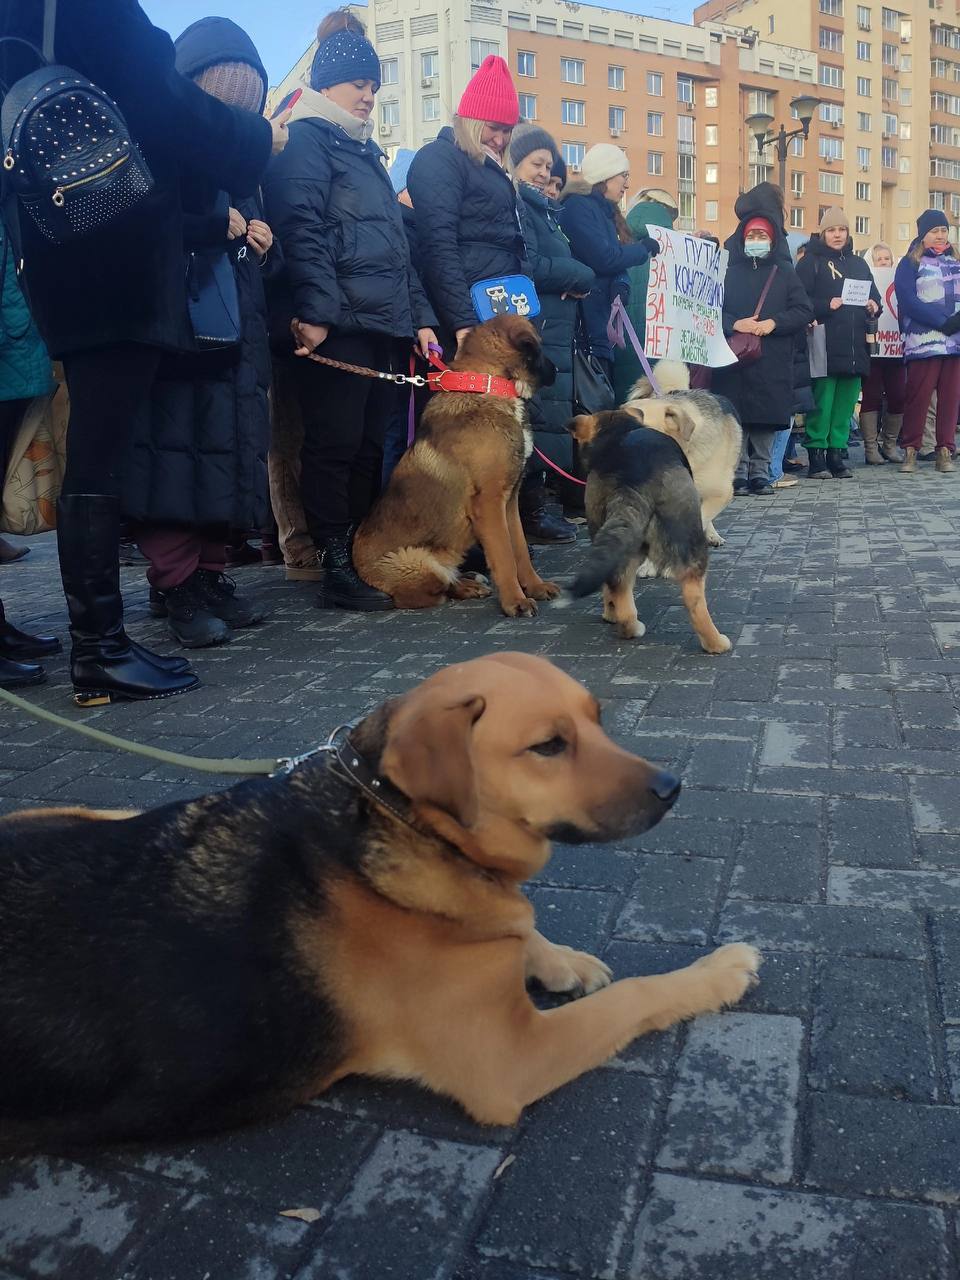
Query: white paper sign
pixel 856 293
pixel 889 344
pixel 685 301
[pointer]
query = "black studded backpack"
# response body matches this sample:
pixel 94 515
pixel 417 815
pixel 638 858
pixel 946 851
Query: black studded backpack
pixel 67 152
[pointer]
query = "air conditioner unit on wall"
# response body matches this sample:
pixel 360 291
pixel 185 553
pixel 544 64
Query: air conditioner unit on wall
pixel 614 133
pixel 835 124
pixel 574 168
pixel 426 82
pixel 386 130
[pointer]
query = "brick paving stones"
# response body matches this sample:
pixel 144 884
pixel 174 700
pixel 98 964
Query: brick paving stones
pixel 811 1132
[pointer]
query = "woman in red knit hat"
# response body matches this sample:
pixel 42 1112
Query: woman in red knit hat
pixel 464 201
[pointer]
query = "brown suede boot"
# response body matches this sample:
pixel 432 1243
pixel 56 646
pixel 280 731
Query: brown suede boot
pixel 909 459
pixel 892 422
pixel 945 459
pixel 868 429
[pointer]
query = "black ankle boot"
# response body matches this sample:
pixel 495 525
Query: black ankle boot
pixel 191 621
pixel 343 588
pixel 104 665
pixel 16 645
pixel 539 526
pixel 836 466
pixel 817 468
pixel 18 675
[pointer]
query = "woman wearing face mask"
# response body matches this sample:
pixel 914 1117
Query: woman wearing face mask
pixel 560 280
pixel 885 389
pixel 928 295
pixel 347 288
pixel 464 202
pixel 762 391
pixel 599 236
pixel 824 272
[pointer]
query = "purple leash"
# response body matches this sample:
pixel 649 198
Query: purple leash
pixel 619 323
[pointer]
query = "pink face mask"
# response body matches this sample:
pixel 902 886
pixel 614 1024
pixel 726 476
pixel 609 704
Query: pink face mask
pixel 938 249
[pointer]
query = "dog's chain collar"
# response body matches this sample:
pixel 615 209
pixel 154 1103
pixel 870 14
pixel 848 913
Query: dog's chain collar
pixel 348 762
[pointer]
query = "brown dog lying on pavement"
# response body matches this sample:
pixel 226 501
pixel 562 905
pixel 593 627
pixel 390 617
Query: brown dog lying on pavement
pixel 641 504
pixel 223 959
pixel 458 485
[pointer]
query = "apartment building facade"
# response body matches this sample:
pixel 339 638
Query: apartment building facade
pixel 896 121
pixel 673 96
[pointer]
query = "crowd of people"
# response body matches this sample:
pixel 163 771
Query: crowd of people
pixel 338 257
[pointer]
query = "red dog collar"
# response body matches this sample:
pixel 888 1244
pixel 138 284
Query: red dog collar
pixel 485 384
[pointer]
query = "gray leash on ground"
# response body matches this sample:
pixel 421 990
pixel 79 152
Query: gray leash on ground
pixel 277 765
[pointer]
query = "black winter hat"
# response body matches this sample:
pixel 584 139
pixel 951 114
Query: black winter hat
pixel 929 220
pixel 528 138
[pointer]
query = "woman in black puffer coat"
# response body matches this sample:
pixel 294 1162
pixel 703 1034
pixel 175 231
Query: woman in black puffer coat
pixel 828 263
pixel 560 280
pixel 347 288
pixel 464 202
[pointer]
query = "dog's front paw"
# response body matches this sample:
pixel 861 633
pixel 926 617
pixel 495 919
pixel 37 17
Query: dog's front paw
pixel 522 608
pixel 728 974
pixel 715 540
pixel 568 972
pixel 647 570
pixel 470 587
pixel 541 590
pixel 722 644
pixel 632 629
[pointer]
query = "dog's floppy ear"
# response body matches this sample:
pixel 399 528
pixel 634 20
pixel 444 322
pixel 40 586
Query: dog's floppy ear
pixel 583 427
pixel 679 422
pixel 633 411
pixel 428 752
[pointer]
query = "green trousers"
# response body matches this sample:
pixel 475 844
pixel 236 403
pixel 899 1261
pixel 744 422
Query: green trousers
pixel 828 427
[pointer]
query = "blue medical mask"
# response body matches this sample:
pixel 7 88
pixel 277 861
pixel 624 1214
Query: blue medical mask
pixel 757 248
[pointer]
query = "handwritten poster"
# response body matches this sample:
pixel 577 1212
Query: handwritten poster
pixel 685 301
pixel 889 344
pixel 855 293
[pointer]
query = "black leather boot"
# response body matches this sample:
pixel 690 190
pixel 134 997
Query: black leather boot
pixel 17 675
pixel 104 665
pixel 817 468
pixel 342 587
pixel 836 466
pixel 16 645
pixel 539 526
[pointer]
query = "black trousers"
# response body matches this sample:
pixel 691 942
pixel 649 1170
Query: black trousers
pixel 108 386
pixel 345 419
pixel 11 415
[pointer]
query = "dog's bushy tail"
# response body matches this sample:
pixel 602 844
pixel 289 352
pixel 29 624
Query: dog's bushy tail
pixel 671 375
pixel 615 543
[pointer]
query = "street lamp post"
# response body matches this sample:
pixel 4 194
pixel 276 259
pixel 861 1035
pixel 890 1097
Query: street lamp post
pixel 759 125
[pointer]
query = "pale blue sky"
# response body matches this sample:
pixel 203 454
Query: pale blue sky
pixel 281 31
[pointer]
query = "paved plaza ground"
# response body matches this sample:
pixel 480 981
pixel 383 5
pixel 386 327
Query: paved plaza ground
pixel 811 1133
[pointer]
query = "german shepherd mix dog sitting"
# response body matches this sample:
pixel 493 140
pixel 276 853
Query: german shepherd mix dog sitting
pixel 224 959
pixel 458 485
pixel 642 504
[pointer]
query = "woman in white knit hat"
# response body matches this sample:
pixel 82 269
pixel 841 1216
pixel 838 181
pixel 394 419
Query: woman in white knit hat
pixel 600 237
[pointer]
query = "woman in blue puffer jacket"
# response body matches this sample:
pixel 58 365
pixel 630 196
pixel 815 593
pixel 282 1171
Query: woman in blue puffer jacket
pixel 24 374
pixel 601 239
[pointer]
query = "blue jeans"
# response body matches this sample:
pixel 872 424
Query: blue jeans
pixel 780 442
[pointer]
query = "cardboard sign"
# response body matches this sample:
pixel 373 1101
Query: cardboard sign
pixel 856 293
pixel 685 301
pixel 889 344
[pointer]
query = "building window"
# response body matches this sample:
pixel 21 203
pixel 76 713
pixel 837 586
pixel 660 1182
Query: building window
pixel 831 113
pixel 431 107
pixel 711 96
pixel 571 70
pixel 830 148
pixel 711 135
pixel 684 89
pixel 655 124
pixel 615 78
pixel 655 163
pixel 864 89
pixel 686 172
pixel 863 190
pixel 572 112
pixel 685 135
pixel 389 71
pixel 429 64
pixel 798 147
pixel 863 157
pixel 906 97
pixel 890 125
pixel 655 84
pixel 617 118
pixel 865 122
pixel 687 212
pixel 528 106
pixel 906 62
pixel 888 157
pixel 390 113
pixel 890 55
pixel 760 173
pixel 796 183
pixel 480 49
pixel 890 19
pixel 831 39
pixel 905 167
pixel 572 153
pixel 526 64
pixel 711 211
pixel 863 17
pixel 771 26
pixel 863 50
pixel 831 77
pixel 759 100
pixel 831 184
pixel 796 218
pixel 833 7
pixel 906 130
pixel 711 174
pixel 890 89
